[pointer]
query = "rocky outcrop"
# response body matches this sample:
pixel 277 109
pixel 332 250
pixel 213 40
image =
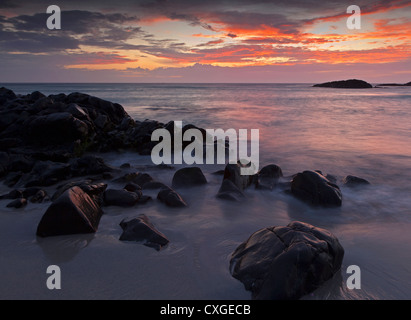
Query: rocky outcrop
pixel 286 262
pixel 346 84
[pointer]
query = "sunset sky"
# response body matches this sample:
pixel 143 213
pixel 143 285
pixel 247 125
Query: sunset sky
pixel 205 41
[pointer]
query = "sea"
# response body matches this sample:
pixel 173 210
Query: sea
pixel 360 132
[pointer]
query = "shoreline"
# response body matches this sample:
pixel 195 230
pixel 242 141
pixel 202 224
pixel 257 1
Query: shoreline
pixel 190 233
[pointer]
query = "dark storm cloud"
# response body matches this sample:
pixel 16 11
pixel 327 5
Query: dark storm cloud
pixel 28 33
pixel 35 42
pixel 8 4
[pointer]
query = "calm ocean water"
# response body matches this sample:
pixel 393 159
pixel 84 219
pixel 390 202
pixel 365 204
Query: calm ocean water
pixel 363 132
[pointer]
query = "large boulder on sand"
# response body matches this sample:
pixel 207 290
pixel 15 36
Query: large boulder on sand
pixel 286 262
pixel 315 189
pixel 73 212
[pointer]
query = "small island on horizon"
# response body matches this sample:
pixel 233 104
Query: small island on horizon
pixel 356 84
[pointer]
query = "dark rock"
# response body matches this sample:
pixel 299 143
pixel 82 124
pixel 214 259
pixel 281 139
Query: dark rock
pixel 286 262
pixel 142 230
pixel 121 198
pixel 152 185
pixel 89 165
pixel 229 191
pixel 77 111
pixel 36 95
pixel 12 178
pixel 20 162
pixel 29 192
pixel 315 189
pixel 18 203
pixel 39 197
pixel 13 194
pixel 94 190
pixel 132 187
pixel 188 177
pixel 408 84
pixel 353 181
pixel 101 121
pixel 71 213
pixel 46 173
pixel 4 163
pixel 135 177
pixel 55 128
pixel 125 165
pixel 268 177
pixel 6 95
pixel 171 198
pixel 347 84
pixel 144 199
pixel 232 172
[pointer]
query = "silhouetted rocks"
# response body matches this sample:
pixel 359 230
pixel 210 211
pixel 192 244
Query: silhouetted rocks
pixel 171 198
pixel 71 213
pixel 286 262
pixel 188 177
pixel 346 84
pixel 141 229
pixel 315 189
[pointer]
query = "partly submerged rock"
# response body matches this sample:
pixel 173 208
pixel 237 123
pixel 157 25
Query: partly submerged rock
pixel 18 203
pixel 141 229
pixel 347 84
pixel 315 189
pixel 268 177
pixel 286 262
pixel 229 191
pixel 71 213
pixel 171 198
pixel 353 181
pixel 121 197
pixel 232 172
